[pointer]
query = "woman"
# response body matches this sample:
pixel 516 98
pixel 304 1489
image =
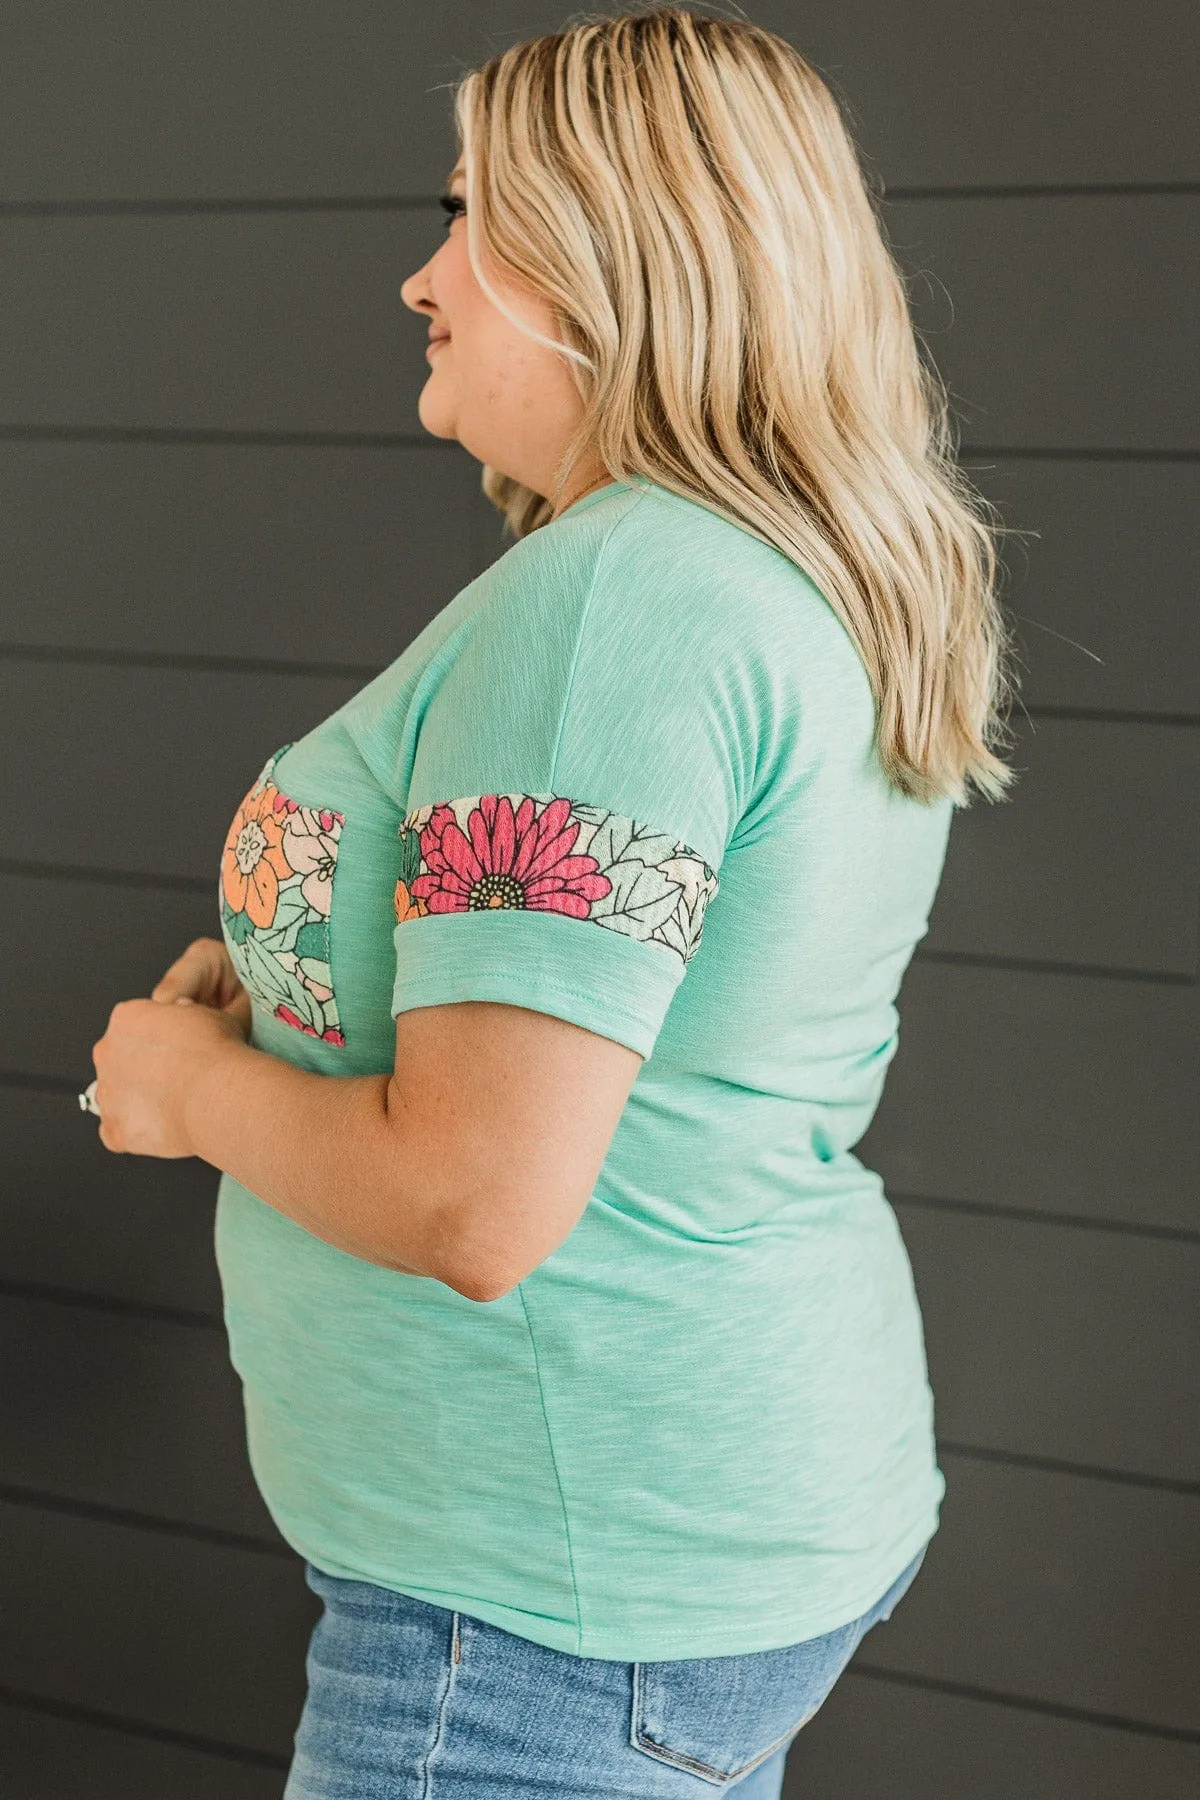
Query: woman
pixel 581 1356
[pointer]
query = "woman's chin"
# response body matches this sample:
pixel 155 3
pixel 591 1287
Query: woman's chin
pixel 438 419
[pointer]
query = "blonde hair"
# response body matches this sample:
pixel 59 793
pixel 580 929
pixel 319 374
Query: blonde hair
pixel 684 193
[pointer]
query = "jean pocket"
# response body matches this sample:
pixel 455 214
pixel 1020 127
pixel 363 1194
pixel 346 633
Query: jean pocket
pixel 718 1717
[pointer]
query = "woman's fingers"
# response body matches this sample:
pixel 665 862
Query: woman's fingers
pixel 239 1006
pixel 189 976
pixel 203 974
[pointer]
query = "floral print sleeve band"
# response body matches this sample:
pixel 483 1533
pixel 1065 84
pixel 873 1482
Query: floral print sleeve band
pixel 542 851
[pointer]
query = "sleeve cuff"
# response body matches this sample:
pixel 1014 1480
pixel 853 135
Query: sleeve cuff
pixel 619 987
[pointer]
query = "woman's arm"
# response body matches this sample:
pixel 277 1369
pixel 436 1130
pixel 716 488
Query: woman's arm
pixel 315 1147
pixel 469 1164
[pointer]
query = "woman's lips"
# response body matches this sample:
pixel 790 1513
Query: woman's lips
pixel 436 343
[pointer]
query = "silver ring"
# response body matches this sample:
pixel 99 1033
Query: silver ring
pixel 87 1100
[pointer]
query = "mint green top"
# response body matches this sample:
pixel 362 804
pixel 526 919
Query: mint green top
pixel 627 777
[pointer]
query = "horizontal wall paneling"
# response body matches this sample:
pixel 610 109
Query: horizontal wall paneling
pixel 163 101
pixel 874 1739
pixel 1104 593
pixel 1065 1094
pixel 1050 1341
pixel 190 1637
pixel 139 1415
pixel 1059 322
pixel 304 554
pixel 76 948
pixel 339 554
pixel 200 737
pixel 1072 1590
pixel 1075 1591
pixel 76 1219
pixel 1043 1342
pixel 45 1756
pixel 238 322
pixel 1072 319
pixel 1058 1093
pixel 1082 863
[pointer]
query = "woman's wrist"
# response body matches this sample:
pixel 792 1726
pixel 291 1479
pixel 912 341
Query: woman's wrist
pixel 218 1070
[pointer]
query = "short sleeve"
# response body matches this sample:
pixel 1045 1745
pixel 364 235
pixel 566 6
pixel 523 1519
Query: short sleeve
pixel 579 770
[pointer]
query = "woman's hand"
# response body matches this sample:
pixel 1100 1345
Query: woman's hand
pixel 149 1055
pixel 205 975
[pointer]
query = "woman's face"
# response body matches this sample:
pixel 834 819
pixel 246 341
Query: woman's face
pixel 508 400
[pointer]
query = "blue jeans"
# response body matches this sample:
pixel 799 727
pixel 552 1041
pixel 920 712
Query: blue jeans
pixel 408 1701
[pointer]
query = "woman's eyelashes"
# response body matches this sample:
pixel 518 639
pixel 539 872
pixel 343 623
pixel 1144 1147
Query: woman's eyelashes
pixel 452 206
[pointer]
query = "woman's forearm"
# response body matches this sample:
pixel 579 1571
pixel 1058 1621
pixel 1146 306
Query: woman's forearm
pixel 321 1150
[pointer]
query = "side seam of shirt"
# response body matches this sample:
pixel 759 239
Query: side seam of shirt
pixel 562 1498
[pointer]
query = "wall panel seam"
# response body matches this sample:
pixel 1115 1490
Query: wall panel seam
pixel 1023 1703
pixel 1031 965
pixel 1179 1234
pixel 22 1701
pixel 316 203
pixel 198 434
pixel 204 664
pixel 96 1302
pixel 1053 1465
pixel 18 432
pixel 208 663
pixel 40 1501
pixel 203 884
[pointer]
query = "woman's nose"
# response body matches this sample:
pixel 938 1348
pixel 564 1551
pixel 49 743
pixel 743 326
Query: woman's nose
pixel 411 290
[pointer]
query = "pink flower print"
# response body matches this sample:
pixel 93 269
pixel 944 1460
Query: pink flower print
pixel 310 843
pixel 331 1034
pixel 507 860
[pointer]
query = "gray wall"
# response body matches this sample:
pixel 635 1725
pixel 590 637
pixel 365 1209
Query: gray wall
pixel 221 516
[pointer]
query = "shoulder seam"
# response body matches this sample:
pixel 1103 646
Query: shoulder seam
pixel 587 607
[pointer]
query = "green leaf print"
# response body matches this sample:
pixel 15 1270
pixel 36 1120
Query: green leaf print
pixel 316 970
pixel 410 856
pixel 641 900
pixel 238 925
pixel 674 935
pixel 312 944
pixel 620 840
pixel 682 930
pixel 292 913
pixel 593 815
pixel 273 983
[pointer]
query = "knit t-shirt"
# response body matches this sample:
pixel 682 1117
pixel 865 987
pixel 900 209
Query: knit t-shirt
pixel 628 777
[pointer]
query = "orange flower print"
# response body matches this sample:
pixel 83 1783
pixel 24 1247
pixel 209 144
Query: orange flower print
pixel 406 906
pixel 254 862
pixel 276 891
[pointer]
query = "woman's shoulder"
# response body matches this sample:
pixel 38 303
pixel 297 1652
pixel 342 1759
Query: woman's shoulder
pixel 659 555
pixel 652 586
pixel 737 595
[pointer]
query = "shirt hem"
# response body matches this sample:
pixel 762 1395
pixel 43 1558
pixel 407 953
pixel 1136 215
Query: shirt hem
pixel 637 1643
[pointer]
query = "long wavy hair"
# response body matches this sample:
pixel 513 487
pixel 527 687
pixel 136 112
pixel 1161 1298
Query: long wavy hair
pixel 684 193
